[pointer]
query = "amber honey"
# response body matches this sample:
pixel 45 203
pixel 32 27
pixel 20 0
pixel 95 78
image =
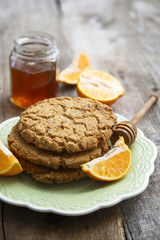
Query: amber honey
pixel 33 63
pixel 29 88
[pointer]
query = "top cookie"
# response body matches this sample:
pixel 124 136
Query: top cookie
pixel 67 124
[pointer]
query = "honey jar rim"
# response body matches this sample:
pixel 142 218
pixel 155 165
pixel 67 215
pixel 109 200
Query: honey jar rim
pixel 35 43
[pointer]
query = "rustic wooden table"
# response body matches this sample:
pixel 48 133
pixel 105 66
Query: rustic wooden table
pixel 121 37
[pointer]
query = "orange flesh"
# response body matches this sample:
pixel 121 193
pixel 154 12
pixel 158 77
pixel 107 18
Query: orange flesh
pixel 9 165
pixel 113 167
pixel 5 160
pixel 100 86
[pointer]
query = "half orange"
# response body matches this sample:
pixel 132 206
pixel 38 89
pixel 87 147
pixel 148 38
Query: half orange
pixel 100 86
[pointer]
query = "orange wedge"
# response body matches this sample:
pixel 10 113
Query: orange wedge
pixel 100 86
pixel 112 166
pixel 9 165
pixel 70 75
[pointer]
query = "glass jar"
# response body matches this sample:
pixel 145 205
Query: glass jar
pixel 33 62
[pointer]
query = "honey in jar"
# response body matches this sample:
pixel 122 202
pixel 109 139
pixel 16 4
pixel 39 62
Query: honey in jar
pixel 33 62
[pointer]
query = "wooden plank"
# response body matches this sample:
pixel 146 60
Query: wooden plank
pixel 145 208
pixel 15 18
pixel 20 223
pixel 26 16
pixel 122 37
pixel 109 41
pixel 33 225
pixel 1 221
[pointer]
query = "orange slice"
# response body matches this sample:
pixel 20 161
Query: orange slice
pixel 9 165
pixel 112 166
pixel 100 86
pixel 70 75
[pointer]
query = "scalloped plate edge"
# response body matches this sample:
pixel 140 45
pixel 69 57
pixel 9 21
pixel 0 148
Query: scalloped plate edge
pixel 98 206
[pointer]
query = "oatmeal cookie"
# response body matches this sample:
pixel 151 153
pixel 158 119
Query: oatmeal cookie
pixel 49 158
pixel 48 175
pixel 67 124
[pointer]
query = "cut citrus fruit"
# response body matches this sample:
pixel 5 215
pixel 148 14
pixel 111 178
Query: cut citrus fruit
pixel 112 166
pixel 70 75
pixel 100 86
pixel 9 165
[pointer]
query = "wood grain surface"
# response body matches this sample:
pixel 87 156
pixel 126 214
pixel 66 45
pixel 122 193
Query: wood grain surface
pixel 121 37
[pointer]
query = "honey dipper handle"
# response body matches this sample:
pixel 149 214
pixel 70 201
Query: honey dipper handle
pixel 152 99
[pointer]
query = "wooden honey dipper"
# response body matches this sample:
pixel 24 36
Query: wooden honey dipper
pixel 128 129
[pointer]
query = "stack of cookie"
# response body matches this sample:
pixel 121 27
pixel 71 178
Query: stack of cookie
pixel 55 136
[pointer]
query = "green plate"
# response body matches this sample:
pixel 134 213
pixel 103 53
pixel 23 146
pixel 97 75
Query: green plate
pixel 79 197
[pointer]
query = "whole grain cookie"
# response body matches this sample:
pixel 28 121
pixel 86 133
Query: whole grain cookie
pixel 67 124
pixel 49 158
pixel 48 175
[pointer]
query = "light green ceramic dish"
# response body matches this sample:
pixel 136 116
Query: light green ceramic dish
pixel 84 196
